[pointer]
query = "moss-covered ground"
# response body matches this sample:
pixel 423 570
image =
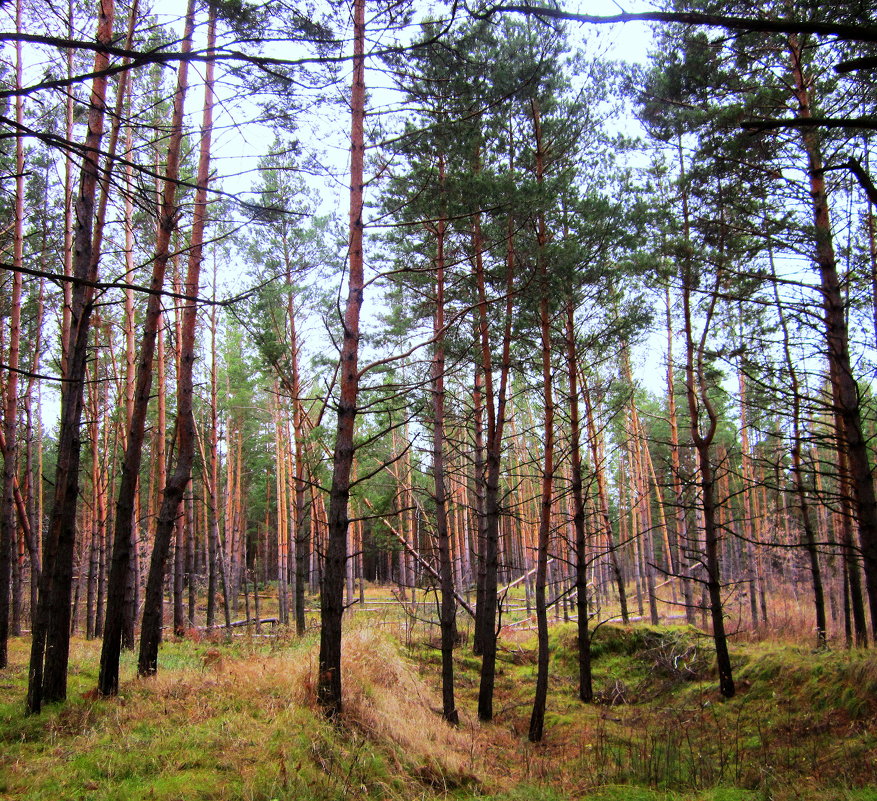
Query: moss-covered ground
pixel 236 720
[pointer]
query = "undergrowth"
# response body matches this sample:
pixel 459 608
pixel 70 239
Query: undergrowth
pixel 238 721
pixel 233 721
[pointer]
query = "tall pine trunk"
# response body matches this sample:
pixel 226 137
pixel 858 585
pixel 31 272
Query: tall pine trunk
pixel 846 394
pixel 586 685
pixel 537 717
pixel 332 586
pixel 108 679
pixel 448 607
pixel 8 539
pixel 50 644
pixel 171 504
pixel 495 407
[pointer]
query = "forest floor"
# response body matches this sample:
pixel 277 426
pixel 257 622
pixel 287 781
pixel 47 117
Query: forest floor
pixel 237 721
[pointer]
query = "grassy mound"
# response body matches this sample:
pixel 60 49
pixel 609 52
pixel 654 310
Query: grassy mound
pixel 801 726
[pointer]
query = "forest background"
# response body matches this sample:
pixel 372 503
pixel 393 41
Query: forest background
pixel 486 428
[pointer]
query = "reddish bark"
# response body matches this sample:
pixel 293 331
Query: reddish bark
pixel 332 589
pixel 108 680
pixel 846 392
pixel 10 410
pixel 150 635
pixel 51 630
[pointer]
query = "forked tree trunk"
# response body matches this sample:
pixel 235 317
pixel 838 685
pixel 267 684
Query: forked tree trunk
pixel 698 399
pixel 332 588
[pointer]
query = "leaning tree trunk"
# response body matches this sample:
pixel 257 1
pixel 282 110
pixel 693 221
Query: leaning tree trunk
pixel 150 634
pixel 332 589
pixel 50 643
pixel 108 679
pixel 847 392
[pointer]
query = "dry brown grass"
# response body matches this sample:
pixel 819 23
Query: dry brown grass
pixel 385 699
pixel 790 621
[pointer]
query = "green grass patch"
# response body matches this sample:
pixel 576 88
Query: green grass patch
pixel 235 720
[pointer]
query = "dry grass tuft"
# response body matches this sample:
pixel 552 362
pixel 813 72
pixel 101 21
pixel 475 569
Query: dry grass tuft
pixel 790 621
pixel 388 701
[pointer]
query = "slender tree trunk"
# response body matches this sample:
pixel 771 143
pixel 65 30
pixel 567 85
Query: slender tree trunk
pixel 586 688
pixel 448 608
pixel 332 589
pixel 50 643
pixel 698 400
pixel 8 539
pixel 846 514
pixel 800 479
pixel 641 492
pixel 108 680
pixel 495 404
pixel 29 504
pixel 69 202
pixel 94 528
pixel 682 544
pixel 282 515
pixel 837 335
pixel 478 498
pixel 301 534
pixel 129 600
pixel 191 569
pixel 603 500
pixel 150 636
pixel 537 717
